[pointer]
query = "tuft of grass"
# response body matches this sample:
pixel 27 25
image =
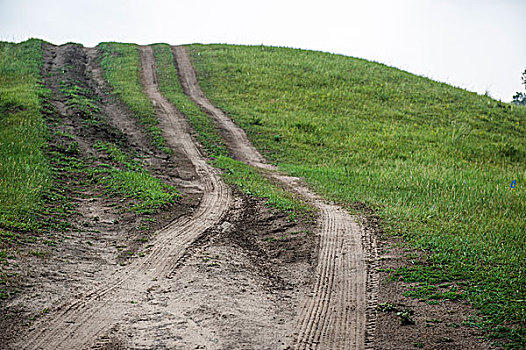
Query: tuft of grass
pixel 128 179
pixel 435 161
pixel 121 65
pixel 117 155
pixel 151 192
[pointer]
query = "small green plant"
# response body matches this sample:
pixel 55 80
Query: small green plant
pixel 406 317
pixel 73 148
pixel 386 307
pixel 434 320
pixel 38 254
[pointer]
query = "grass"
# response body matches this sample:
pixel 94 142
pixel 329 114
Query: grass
pixel 79 99
pixel 436 162
pixel 128 179
pixel 121 65
pixel 24 170
pixel 247 179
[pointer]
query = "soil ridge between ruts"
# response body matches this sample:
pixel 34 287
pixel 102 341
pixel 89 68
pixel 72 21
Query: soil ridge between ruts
pixel 77 323
pixel 340 313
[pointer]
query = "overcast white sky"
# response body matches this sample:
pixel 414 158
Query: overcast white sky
pixel 475 44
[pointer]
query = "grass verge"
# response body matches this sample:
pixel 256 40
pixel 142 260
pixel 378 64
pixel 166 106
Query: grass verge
pixel 24 170
pixel 435 161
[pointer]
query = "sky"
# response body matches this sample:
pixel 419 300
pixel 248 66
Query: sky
pixel 477 45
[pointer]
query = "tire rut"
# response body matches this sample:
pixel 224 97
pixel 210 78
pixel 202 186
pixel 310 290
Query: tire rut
pixel 77 324
pixel 340 311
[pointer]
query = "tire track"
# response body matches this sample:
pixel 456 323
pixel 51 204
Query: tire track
pixel 339 313
pixel 78 324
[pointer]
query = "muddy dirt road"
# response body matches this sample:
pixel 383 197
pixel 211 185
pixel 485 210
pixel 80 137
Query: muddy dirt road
pixel 339 313
pixel 211 278
pixel 78 323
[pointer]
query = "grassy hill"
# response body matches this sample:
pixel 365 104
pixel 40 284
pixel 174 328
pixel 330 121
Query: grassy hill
pixel 434 161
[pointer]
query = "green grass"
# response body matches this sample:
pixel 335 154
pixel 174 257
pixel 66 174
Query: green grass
pixel 24 171
pixel 118 156
pixel 128 179
pixel 121 65
pixel 151 192
pixel 246 178
pixel 79 99
pixel 436 162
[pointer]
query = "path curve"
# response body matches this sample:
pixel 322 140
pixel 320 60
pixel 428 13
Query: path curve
pixel 77 324
pixel 339 313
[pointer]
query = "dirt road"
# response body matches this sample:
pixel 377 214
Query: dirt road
pixel 77 324
pixel 173 297
pixel 340 311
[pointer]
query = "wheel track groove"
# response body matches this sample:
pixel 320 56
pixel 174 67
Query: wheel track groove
pixel 76 325
pixel 340 312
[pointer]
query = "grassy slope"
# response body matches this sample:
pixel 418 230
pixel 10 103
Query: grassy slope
pixel 25 174
pixel 435 161
pixel 247 178
pixel 24 171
